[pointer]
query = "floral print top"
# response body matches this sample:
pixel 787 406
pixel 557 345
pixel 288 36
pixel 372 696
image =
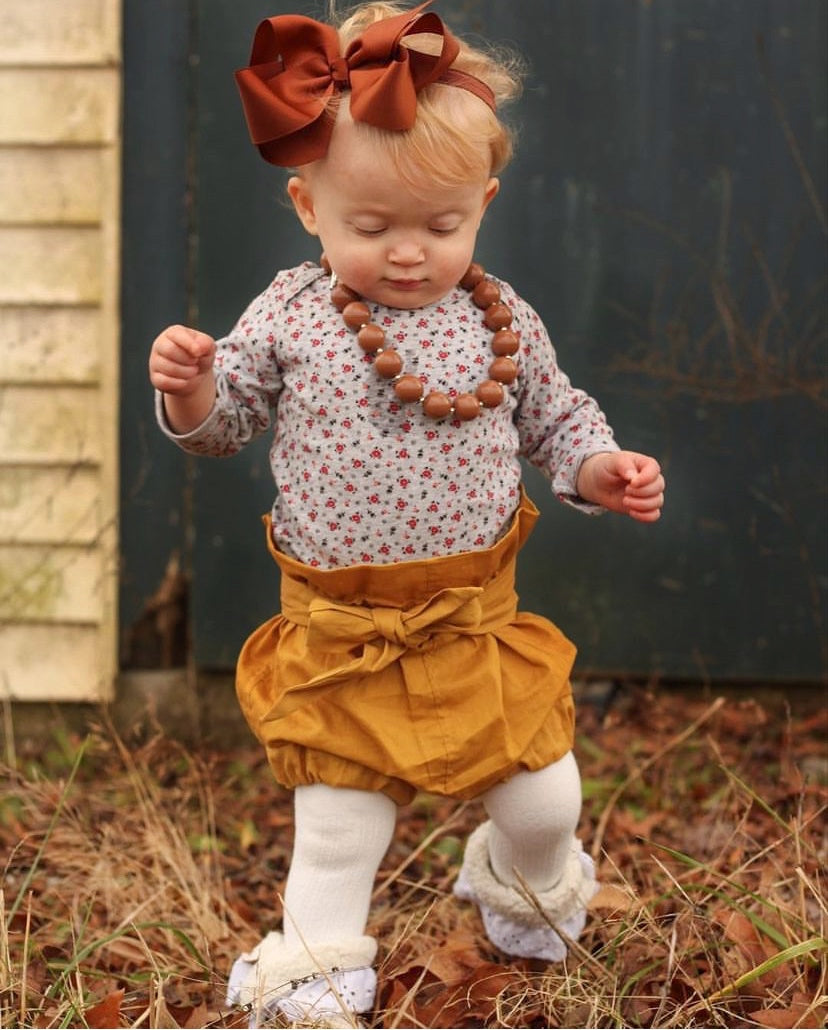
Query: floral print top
pixel 362 477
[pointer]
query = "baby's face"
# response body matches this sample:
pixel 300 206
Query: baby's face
pixel 392 246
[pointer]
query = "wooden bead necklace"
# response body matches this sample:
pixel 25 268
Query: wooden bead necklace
pixel 409 388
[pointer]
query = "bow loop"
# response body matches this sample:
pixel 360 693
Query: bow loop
pixel 285 88
pixel 296 66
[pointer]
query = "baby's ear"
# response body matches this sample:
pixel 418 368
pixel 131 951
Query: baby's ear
pixel 491 191
pixel 300 193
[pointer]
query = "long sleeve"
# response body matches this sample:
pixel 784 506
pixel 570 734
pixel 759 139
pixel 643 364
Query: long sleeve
pixel 558 425
pixel 249 377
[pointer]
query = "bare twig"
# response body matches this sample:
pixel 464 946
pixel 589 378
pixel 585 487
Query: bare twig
pixel 790 138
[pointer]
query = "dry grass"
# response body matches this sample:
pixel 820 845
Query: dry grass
pixel 134 874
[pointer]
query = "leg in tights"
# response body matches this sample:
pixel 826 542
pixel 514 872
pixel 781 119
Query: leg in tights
pixel 534 817
pixel 341 837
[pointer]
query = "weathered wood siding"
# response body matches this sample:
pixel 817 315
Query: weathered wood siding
pixel 60 90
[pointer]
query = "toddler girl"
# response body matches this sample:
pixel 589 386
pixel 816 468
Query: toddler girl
pixel 404 385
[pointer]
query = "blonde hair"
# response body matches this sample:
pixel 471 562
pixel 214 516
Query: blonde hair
pixel 456 137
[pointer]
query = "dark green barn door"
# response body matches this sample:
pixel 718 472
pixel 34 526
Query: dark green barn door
pixel 666 216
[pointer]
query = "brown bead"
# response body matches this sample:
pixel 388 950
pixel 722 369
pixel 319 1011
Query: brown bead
pixel 408 388
pixel 505 342
pixel 466 406
pixel 498 316
pixel 371 338
pixel 486 293
pixel 388 363
pixel 472 276
pixel 437 405
pixel 342 295
pixel 490 393
pixel 504 370
pixel 324 264
pixel 356 314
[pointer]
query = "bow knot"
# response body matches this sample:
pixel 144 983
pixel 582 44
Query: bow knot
pixel 340 72
pixel 296 67
pixel 333 625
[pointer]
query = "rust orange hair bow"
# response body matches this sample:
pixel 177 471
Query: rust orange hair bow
pixel 296 66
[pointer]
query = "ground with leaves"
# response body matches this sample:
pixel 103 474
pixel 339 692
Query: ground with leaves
pixel 135 871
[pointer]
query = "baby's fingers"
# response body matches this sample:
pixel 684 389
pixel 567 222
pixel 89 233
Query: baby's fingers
pixel 645 470
pixel 649 488
pixel 188 346
pixel 645 503
pixel 180 356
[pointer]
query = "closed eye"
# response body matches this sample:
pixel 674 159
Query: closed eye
pixel 364 231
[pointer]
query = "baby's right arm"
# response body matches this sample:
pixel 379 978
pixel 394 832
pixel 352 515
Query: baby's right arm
pixel 181 368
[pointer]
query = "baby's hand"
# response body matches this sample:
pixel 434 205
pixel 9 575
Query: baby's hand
pixel 625 482
pixel 180 360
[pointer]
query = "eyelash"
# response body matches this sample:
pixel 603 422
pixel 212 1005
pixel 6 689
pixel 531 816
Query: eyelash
pixel 378 232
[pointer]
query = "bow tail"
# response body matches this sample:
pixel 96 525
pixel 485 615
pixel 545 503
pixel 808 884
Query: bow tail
pixel 375 656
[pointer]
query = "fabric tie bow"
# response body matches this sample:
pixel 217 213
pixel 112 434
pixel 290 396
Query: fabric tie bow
pixel 381 635
pixel 296 66
pixel 334 626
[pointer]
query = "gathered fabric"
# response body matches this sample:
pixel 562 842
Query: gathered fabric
pixel 418 675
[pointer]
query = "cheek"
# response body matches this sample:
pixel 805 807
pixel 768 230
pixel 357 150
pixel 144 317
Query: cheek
pixel 353 267
pixel 456 260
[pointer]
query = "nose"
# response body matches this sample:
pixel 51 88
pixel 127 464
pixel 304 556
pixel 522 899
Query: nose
pixel 406 251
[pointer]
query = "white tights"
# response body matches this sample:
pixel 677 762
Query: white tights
pixel 534 817
pixel 342 835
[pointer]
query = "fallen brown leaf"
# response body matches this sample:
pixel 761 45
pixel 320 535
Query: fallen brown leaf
pixel 106 1015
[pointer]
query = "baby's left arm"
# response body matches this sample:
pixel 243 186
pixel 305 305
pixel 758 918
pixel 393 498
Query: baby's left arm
pixel 625 482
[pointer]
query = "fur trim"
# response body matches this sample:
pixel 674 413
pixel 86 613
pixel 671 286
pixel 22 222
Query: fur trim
pixel 512 923
pixel 272 970
pixel 572 891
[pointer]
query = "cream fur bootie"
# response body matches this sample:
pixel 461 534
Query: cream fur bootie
pixel 513 924
pixel 322 985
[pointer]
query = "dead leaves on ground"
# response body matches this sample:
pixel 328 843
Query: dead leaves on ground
pixel 161 866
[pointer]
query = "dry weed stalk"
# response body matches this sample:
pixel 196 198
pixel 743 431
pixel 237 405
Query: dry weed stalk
pixel 115 908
